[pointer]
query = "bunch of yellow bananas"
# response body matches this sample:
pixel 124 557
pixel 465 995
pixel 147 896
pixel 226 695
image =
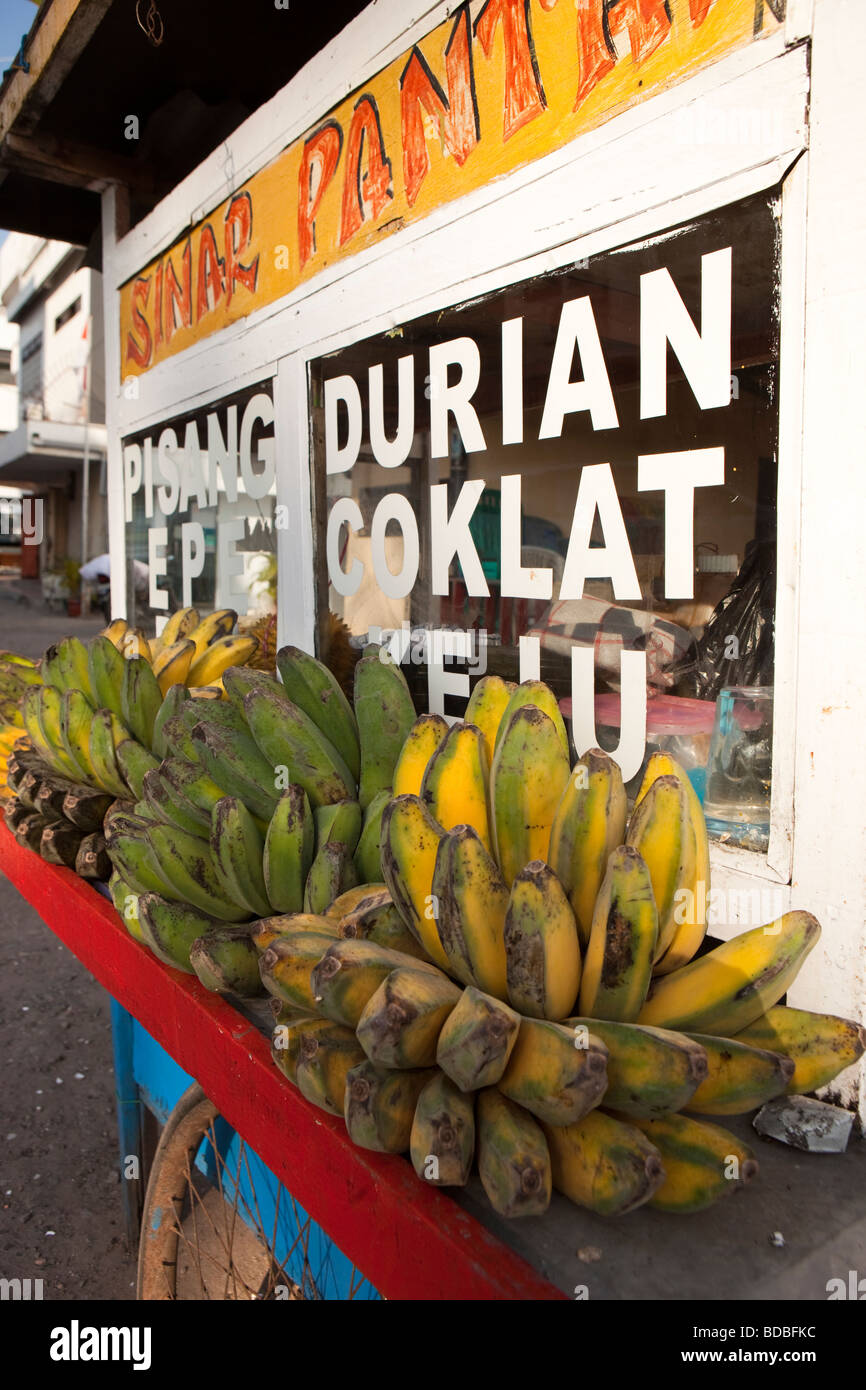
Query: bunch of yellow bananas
pixel 464 915
pixel 190 650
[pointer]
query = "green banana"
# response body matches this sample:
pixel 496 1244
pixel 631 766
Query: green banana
pixel 332 872
pixel 125 900
pixel 588 825
pixel 172 703
pixel 380 1106
pixel 169 809
pixel 140 699
pixel 134 762
pixel 513 1158
pixel 105 665
pixel 442 1138
pixel 67 665
pixel 539 696
pixel 617 967
pixel 170 928
pixel 227 962
pixel 237 765
pixel 76 717
pixel 191 788
pixel 476 1040
pixel 650 1071
pixel 368 856
pixel 314 689
pixel 529 773
pixel 293 747
pixel 49 705
pixel 106 732
pixel 401 1022
pixel 237 848
pixel 339 823
pixel 385 714
pixel 136 862
pixel 238 681
pixel 188 864
pixel 288 851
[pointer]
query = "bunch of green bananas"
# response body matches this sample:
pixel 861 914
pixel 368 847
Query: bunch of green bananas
pixel 269 801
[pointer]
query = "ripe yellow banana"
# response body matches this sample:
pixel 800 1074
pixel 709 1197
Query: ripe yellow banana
pixel 702 1162
pixel 588 825
pixel 401 1022
pixel 691 923
pixel 410 841
pixel 740 1077
pixel 604 1164
pixel 618 964
pixel 542 951
pixel 819 1045
pixel 454 787
pixel 422 741
pixel 348 974
pixel 326 1055
pixel 219 656
pixel 552 1076
pixel 487 704
pixel 181 624
pixel 728 988
pixel 115 632
pixel 661 830
pixel 204 631
pixel 172 665
pixel 469 902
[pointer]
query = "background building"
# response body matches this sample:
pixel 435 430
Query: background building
pixel 52 395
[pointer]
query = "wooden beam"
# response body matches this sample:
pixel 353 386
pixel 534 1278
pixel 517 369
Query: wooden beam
pixel 60 35
pixel 62 161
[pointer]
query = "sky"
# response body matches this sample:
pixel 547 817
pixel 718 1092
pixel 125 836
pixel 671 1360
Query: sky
pixel 16 18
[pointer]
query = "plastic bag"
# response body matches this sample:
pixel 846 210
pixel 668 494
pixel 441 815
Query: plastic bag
pixel 736 647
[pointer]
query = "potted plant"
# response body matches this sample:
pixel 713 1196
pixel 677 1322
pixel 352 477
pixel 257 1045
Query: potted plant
pixel 72 576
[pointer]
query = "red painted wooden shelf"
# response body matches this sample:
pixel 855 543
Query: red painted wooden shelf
pixel 410 1240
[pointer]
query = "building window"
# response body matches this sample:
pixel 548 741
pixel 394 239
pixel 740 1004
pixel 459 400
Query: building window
pixel 68 313
pixel 30 383
pixel 7 376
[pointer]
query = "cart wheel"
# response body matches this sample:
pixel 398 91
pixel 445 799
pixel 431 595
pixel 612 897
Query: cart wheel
pixel 217 1224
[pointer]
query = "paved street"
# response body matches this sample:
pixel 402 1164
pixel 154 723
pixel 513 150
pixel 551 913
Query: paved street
pixel 60 1201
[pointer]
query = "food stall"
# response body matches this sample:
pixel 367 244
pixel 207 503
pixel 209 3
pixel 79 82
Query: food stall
pixel 523 339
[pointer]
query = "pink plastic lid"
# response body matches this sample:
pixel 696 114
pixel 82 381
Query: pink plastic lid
pixel 665 714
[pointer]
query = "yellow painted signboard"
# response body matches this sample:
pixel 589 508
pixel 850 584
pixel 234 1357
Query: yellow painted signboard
pixel 494 87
